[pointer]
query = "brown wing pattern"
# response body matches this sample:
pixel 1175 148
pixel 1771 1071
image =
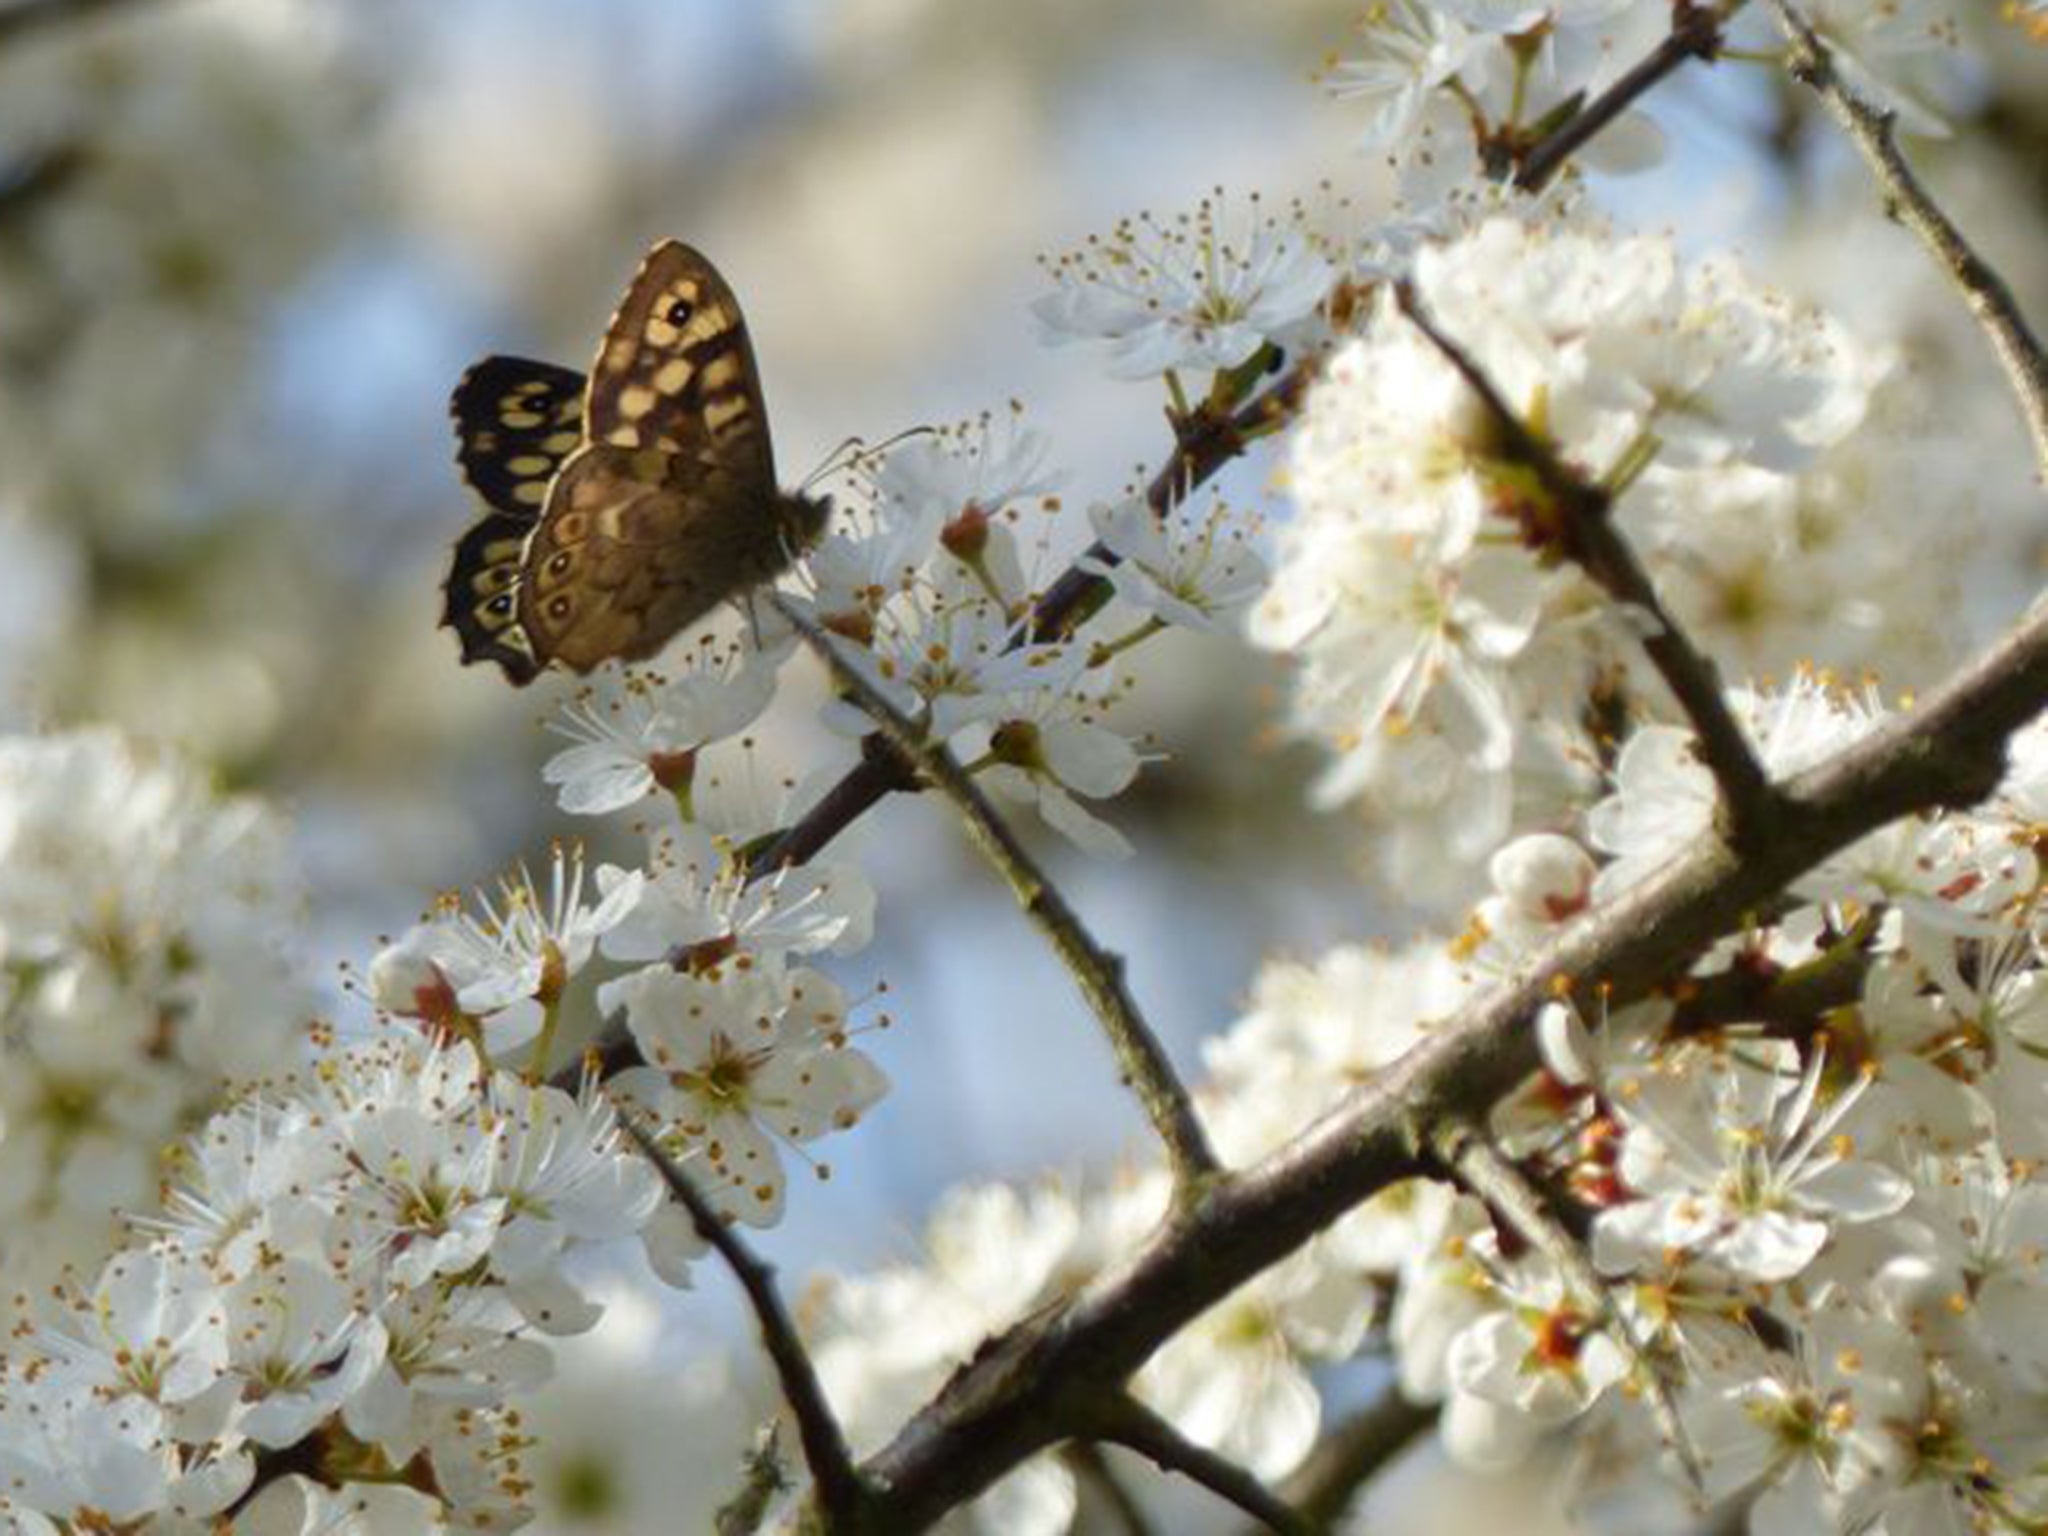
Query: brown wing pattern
pixel 666 507
pixel 676 370
pixel 637 545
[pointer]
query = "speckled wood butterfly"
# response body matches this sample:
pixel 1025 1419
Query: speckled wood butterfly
pixel 626 506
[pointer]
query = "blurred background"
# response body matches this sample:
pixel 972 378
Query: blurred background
pixel 247 247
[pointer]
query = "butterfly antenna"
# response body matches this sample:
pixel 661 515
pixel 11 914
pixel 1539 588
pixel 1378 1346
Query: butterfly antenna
pixel 854 449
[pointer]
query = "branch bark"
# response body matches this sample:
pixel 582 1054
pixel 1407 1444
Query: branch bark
pixel 841 1496
pixel 1129 1423
pixel 1695 34
pixel 1585 532
pixel 1874 132
pixel 1037 1383
pixel 1098 973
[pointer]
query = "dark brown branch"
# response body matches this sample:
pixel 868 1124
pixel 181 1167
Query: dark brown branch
pixel 1098 973
pixel 1874 133
pixel 1349 1456
pixel 1129 1423
pixel 1584 529
pixel 842 1499
pixel 1036 1385
pixel 1695 34
pixel 34 179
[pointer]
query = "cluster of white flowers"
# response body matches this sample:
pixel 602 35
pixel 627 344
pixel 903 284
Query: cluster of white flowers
pixel 1456 90
pixel 1203 291
pixel 342 1296
pixel 1822 1234
pixel 1451 662
pixel 1806 1175
pixel 933 584
pixel 145 938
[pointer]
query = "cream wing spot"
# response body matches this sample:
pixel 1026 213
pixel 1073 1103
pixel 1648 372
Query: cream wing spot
pixel 636 400
pixel 670 378
pixel 722 411
pixel 532 493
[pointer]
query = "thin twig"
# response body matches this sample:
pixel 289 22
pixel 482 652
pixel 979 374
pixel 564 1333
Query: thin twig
pixel 1093 1470
pixel 1205 443
pixel 1984 291
pixel 1029 1388
pixel 1585 531
pixel 841 1495
pixel 1129 1423
pixel 1695 34
pixel 1470 1156
pixel 1349 1456
pixel 1098 973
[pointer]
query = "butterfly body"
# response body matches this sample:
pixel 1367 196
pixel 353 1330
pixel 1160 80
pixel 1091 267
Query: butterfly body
pixel 626 506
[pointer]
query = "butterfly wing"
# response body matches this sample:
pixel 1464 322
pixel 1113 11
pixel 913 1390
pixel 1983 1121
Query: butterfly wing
pixel 676 371
pixel 516 420
pixel 673 506
pixel 636 545
pixel 481 595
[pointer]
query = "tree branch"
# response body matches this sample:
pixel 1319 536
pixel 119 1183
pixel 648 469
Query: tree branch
pixel 1034 1385
pixel 1098 973
pixel 1906 201
pixel 1347 1457
pixel 1584 530
pixel 842 1498
pixel 1129 1423
pixel 1695 34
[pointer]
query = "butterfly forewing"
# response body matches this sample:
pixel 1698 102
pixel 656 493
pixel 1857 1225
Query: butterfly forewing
pixel 516 420
pixel 676 369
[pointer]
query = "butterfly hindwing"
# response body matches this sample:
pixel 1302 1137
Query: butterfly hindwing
pixel 638 544
pixel 516 420
pixel 482 595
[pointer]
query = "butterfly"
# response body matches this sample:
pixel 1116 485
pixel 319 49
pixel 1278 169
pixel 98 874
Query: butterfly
pixel 627 505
